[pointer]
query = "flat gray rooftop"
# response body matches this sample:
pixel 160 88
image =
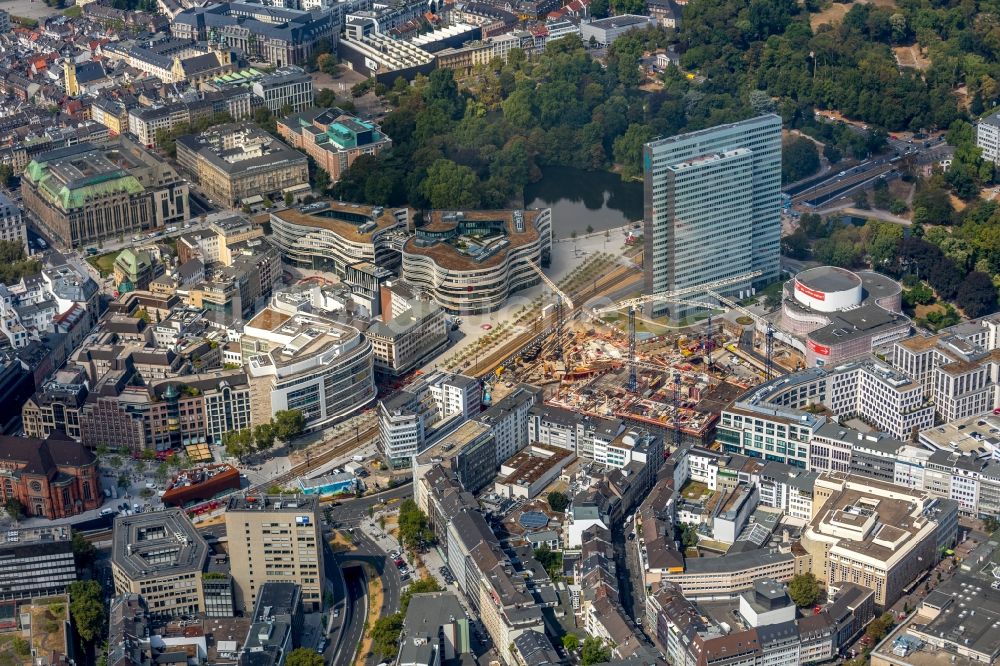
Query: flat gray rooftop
pixel 157 545
pixel 285 503
pixel 829 279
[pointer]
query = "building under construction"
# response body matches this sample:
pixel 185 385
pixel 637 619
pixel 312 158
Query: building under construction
pixel 676 394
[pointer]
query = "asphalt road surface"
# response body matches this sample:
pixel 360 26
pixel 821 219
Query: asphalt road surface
pixel 341 603
pixel 344 653
pixel 366 551
pixel 349 513
pixel 352 563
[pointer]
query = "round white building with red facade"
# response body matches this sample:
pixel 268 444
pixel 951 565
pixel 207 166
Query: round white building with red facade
pixel 841 314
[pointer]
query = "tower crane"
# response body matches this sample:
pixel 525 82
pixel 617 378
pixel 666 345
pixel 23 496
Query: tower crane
pixel 672 296
pixel 764 324
pixel 562 301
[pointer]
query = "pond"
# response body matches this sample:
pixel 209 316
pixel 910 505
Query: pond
pixel 579 199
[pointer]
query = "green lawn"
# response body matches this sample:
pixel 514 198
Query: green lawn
pixel 694 490
pixel 103 262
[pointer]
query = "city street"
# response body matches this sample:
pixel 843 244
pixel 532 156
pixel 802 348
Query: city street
pixel 350 512
pixel 365 552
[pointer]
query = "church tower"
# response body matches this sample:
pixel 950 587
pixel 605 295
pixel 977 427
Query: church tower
pixel 69 77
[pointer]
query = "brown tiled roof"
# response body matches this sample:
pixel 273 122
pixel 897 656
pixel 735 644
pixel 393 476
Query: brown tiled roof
pixel 43 456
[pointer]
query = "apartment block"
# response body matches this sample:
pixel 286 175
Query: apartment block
pixel 413 419
pixel 12 226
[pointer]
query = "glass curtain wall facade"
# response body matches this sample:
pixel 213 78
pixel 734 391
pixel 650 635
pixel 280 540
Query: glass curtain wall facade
pixel 713 208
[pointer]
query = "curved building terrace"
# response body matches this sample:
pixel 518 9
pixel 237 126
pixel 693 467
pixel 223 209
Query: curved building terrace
pixel 471 261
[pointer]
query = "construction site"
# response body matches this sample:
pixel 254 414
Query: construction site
pixel 675 382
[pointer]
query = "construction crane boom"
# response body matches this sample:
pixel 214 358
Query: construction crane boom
pixel 552 285
pixel 678 296
pixel 563 304
pixel 675 293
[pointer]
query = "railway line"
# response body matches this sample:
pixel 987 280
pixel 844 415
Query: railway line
pixel 318 460
pixel 314 462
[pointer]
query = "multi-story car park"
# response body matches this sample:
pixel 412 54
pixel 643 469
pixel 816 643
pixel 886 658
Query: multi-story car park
pixel 470 262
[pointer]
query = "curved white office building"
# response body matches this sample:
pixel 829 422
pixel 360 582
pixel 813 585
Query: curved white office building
pixel 470 262
pixel 321 367
pixel 331 235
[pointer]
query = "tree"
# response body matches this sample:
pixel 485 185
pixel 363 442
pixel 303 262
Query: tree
pixel 599 9
pixel 594 651
pixel 689 535
pixel 920 294
pixel 289 424
pixel 571 642
pixel 14 508
pixel 303 657
pixel 320 48
pixel 14 263
pixel 627 149
pixel 263 436
pixel 83 551
pixel 991 524
pixel 385 636
pixel 557 501
pixel 804 589
pixel 414 528
pixel 86 607
pixel 238 443
pixel 795 245
pixel 977 296
pixel 761 102
pixel 799 159
pixel 879 627
pixel 932 206
pixel 451 185
pixel 425 584
pixel 6 174
pixel 327 63
pixel 550 560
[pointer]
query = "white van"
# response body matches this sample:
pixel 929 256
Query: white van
pixel 108 512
